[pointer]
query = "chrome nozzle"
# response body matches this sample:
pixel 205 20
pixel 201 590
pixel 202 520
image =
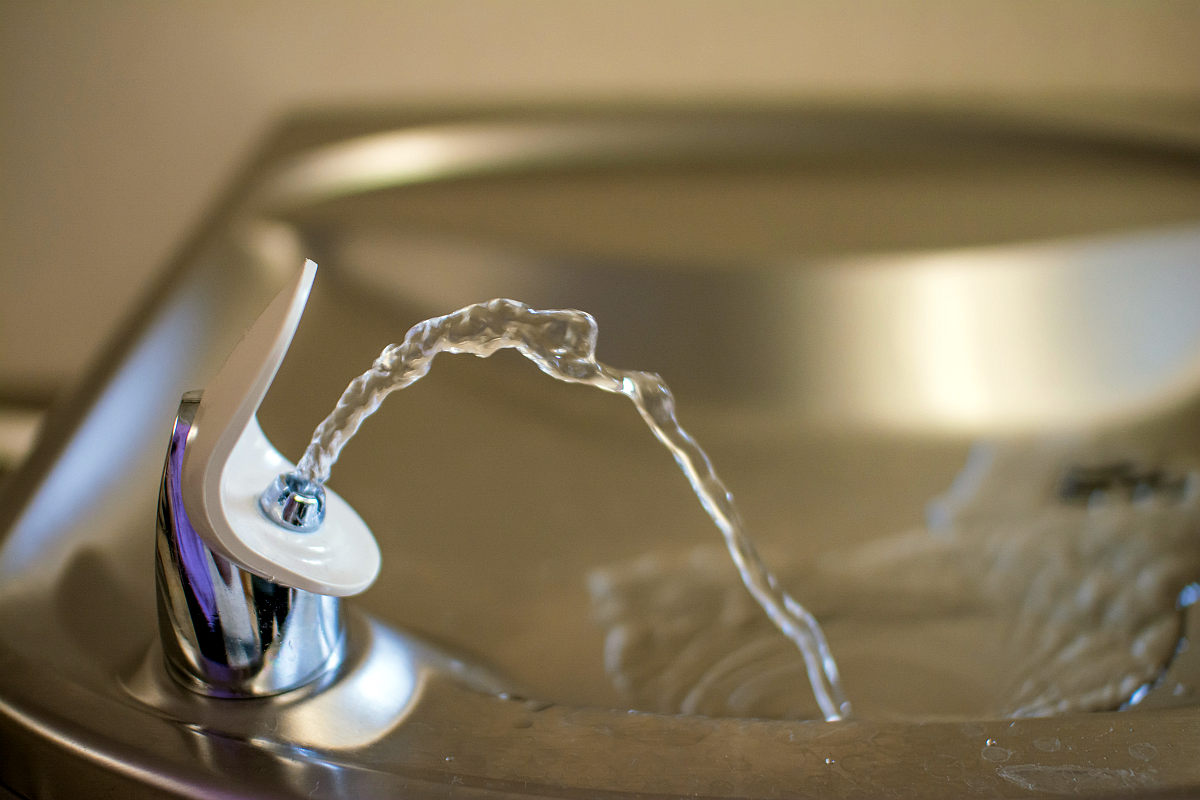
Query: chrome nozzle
pixel 294 503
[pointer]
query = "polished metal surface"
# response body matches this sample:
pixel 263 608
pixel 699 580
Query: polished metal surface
pixel 843 301
pixel 294 503
pixel 226 632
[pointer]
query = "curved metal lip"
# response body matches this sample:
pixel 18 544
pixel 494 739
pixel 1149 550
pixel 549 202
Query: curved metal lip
pixel 504 145
pixel 115 744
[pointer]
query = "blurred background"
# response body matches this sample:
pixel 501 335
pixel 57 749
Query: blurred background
pixel 121 121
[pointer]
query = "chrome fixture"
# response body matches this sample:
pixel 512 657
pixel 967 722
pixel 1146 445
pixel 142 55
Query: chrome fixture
pixel 294 503
pixel 225 631
pixel 249 586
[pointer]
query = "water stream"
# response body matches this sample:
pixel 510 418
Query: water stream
pixel 1047 579
pixel 562 344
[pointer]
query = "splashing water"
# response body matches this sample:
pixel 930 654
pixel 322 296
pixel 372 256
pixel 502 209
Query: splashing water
pixel 562 344
pixel 1023 595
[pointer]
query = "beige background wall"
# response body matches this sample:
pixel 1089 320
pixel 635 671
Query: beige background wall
pixel 120 120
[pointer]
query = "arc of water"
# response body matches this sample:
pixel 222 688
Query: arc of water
pixel 562 343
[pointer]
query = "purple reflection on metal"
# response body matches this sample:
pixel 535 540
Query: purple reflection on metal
pixel 193 554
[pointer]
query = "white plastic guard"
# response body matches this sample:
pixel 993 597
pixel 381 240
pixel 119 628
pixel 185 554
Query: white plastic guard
pixel 228 462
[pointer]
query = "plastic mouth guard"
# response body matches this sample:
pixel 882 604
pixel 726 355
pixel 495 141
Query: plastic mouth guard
pixel 228 462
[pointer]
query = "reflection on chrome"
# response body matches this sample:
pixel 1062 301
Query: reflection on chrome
pixel 227 632
pixel 376 687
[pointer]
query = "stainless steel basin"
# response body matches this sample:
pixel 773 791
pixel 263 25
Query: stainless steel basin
pixel 844 301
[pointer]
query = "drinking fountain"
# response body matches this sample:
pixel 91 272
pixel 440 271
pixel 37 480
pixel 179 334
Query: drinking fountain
pixel 946 359
pixel 248 587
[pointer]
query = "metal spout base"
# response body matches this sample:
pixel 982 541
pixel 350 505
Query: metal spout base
pixel 227 632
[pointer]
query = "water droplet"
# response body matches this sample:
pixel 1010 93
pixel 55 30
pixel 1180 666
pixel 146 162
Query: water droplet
pixel 1048 744
pixel 1143 751
pixel 1139 695
pixel 996 754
